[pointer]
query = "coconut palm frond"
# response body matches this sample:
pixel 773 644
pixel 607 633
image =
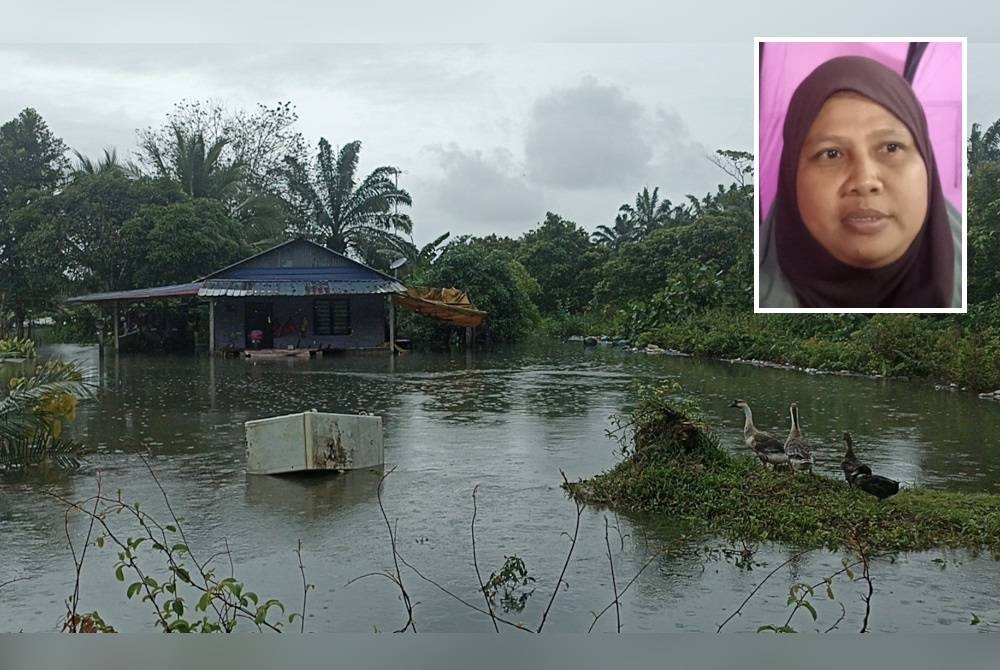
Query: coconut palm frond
pixel 19 409
pixel 39 447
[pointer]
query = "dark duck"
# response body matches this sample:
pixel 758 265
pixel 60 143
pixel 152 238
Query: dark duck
pixel 877 485
pixel 850 464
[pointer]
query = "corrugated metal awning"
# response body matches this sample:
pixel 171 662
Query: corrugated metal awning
pixel 232 288
pixel 172 291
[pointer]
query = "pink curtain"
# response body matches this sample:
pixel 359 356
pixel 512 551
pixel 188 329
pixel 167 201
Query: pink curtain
pixel 937 83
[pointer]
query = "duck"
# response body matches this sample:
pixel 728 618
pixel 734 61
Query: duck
pixel 767 447
pixel 877 485
pixel 850 464
pixel 796 448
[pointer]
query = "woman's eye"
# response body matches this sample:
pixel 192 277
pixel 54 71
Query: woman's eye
pixel 829 154
pixel 893 147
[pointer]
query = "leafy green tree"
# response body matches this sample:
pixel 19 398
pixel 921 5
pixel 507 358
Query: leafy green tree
pixel 984 146
pixel 560 257
pixel 710 261
pixel 333 208
pixel 232 155
pixel 102 253
pixel 494 281
pixel 257 140
pixel 185 240
pixel 32 166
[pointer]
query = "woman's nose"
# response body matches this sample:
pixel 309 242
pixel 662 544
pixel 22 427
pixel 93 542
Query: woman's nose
pixel 864 178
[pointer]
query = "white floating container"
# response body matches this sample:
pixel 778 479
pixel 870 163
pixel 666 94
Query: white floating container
pixel 313 441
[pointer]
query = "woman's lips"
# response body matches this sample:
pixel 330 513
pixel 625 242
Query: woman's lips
pixel 865 221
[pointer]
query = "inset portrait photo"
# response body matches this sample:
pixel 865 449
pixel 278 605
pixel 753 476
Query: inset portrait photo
pixel 860 152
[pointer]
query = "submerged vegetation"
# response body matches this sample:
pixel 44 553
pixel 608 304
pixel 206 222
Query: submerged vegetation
pixel 674 465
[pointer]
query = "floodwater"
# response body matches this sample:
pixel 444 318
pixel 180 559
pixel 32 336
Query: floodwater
pixel 507 422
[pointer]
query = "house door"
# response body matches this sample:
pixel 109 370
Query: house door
pixel 259 316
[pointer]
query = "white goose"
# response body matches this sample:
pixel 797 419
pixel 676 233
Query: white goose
pixel 767 447
pixel 796 448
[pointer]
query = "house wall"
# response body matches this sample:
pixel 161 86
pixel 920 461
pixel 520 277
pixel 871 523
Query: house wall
pixel 367 322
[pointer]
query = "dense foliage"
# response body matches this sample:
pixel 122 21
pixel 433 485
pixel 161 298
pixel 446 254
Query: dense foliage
pixel 213 185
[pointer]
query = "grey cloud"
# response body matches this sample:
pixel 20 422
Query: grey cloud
pixel 587 136
pixel 681 164
pixel 478 192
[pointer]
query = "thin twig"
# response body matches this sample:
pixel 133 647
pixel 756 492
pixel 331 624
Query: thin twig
pixel 801 599
pixel 395 557
pixel 465 602
pixel 305 587
pixel 475 561
pixel 645 565
pixel 614 585
pixel 569 554
pixel 843 613
pixel 867 598
pixel 78 563
pixel 621 537
pixel 14 580
pixel 739 609
pixel 180 529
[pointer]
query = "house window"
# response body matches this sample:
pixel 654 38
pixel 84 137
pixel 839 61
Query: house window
pixel 332 316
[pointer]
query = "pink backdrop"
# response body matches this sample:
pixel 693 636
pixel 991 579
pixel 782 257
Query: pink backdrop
pixel 937 83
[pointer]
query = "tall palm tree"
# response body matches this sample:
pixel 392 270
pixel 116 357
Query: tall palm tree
pixel 199 169
pixel 649 212
pixel 624 231
pixel 86 166
pixel 336 210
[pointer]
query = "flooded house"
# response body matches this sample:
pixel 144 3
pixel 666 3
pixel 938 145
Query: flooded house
pixel 297 298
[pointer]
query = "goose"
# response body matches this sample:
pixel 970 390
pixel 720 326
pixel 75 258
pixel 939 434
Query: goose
pixel 796 448
pixel 767 447
pixel 877 485
pixel 850 464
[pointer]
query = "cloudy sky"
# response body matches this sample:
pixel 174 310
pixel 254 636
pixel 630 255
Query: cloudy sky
pixel 489 137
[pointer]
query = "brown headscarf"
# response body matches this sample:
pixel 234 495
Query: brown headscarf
pixel 924 275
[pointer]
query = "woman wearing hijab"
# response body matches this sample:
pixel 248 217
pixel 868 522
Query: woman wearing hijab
pixel 859 219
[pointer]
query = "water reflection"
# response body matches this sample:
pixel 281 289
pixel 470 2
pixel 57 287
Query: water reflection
pixel 507 421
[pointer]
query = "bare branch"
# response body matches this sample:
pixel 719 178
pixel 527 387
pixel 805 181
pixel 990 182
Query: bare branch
pixel 569 554
pixel 475 561
pixel 305 587
pixel 614 585
pixel 395 557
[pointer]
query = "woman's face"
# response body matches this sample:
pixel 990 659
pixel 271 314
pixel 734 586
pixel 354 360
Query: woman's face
pixel 861 182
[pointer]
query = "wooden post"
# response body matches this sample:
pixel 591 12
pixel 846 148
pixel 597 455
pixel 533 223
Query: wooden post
pixel 468 338
pixel 116 326
pixel 211 326
pixel 392 326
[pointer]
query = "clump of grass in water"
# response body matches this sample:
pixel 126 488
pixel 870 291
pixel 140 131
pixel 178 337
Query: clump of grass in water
pixel 673 464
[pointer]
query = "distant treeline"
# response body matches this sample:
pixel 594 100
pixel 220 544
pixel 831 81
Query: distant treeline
pixel 211 185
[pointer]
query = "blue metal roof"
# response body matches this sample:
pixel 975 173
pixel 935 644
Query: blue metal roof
pixel 336 274
pixel 174 290
pixel 229 288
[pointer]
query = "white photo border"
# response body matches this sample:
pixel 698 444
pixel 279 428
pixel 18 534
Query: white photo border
pixel 757 42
